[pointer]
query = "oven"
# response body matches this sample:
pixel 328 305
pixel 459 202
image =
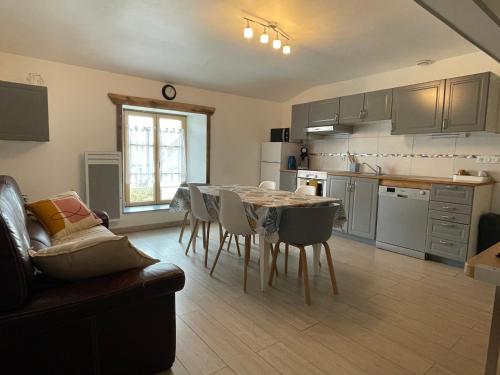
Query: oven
pixel 313 178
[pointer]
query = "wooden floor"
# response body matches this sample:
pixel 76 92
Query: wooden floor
pixel 393 314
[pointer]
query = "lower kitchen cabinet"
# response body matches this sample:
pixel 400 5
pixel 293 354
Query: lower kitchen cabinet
pixel 288 180
pixel 360 199
pixel 363 207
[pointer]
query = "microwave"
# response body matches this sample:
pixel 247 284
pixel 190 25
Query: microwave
pixel 280 135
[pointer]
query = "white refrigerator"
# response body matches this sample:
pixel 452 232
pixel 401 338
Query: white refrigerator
pixel 274 158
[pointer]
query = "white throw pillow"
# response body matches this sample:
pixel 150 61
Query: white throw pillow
pixel 90 257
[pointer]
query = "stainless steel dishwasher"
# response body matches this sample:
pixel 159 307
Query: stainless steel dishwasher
pixel 402 220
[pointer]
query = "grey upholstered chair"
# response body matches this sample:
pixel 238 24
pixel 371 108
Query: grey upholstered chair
pixel 305 226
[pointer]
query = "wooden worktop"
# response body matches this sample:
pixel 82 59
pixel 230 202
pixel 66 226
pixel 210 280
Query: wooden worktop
pixel 486 258
pixel 403 178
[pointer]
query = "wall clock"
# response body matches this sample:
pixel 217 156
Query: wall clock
pixel 169 92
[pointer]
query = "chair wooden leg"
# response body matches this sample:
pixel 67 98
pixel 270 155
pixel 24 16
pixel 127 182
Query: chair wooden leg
pixel 221 234
pixel 237 244
pixel 218 253
pixel 193 233
pixel 275 268
pixel 299 273
pixel 206 244
pixel 305 274
pixel 330 267
pixel 253 236
pixel 286 259
pixel 184 223
pixel 229 242
pixel 247 259
pixel 273 264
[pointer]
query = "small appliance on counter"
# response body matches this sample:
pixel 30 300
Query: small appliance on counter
pixel 304 158
pixel 280 135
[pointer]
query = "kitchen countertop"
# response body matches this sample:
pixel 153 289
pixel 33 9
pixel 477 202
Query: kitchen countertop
pixel 396 177
pixel 422 179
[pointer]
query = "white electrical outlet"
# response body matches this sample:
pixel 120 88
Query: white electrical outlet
pixel 488 159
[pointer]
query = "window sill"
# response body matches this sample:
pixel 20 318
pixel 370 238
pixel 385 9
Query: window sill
pixel 152 207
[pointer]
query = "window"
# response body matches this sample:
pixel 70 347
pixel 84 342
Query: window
pixel 154 156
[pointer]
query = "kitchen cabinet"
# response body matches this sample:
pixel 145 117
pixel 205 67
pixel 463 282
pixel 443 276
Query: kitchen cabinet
pixel 418 109
pixel 465 103
pixel 377 105
pixel 351 109
pixel 300 119
pixel 288 180
pixel 360 198
pixel 338 187
pixel 324 112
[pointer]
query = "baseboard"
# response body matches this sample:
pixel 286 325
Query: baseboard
pixel 141 228
pixel 400 250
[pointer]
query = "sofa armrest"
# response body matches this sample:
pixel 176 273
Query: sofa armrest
pixel 76 300
pixel 103 215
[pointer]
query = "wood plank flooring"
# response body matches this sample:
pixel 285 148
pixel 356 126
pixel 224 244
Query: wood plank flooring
pixel 393 314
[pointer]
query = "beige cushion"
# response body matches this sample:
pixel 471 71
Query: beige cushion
pixel 93 256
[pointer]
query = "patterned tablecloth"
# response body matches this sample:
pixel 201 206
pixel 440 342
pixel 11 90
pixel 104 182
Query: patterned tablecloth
pixel 263 207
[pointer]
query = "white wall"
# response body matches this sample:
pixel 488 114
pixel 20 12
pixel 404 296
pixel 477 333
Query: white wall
pixel 82 118
pixel 375 138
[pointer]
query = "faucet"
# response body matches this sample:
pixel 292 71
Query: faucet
pixel 377 170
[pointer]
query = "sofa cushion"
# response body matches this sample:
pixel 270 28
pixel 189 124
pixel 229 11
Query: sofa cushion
pixel 64 214
pixel 16 271
pixel 90 256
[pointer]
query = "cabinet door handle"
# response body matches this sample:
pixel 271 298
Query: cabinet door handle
pixel 445 123
pixel 448 217
pixel 445 243
pixel 446 225
pixel 336 117
pixel 449 208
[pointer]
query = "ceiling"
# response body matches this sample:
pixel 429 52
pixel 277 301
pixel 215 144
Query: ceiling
pixel 199 42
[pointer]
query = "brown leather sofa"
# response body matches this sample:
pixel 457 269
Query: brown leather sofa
pixel 122 323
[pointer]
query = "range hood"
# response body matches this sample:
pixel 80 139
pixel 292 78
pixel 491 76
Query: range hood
pixel 329 129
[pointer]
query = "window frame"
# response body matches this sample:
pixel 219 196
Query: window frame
pixel 156 154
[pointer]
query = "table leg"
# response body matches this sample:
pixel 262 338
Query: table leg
pixel 192 220
pixel 264 261
pixel 493 346
pixel 316 258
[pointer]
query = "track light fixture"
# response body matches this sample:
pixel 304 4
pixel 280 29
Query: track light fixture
pixel 281 39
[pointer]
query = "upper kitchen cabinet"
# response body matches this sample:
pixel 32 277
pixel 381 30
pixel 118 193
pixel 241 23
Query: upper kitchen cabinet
pixel 418 109
pixel 351 109
pixel 377 105
pixel 300 119
pixel 324 112
pixel 465 105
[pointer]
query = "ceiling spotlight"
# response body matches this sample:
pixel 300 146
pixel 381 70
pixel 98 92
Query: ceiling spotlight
pixel 264 37
pixel 277 42
pixel 287 49
pixel 248 31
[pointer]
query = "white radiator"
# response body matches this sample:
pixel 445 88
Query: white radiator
pixel 103 182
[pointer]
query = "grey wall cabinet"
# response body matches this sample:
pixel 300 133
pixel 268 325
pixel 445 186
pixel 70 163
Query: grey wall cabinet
pixel 324 112
pixel 360 199
pixel 418 109
pixel 377 105
pixel 288 180
pixel 300 119
pixel 465 103
pixel 338 187
pixel 351 109
pixel 363 207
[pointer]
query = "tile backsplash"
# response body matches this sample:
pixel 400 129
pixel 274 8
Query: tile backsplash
pixel 420 155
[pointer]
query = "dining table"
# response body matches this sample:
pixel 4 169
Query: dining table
pixel 263 208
